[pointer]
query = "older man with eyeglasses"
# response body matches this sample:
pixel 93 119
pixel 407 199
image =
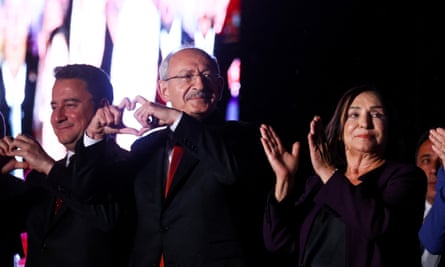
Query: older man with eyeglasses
pixel 211 215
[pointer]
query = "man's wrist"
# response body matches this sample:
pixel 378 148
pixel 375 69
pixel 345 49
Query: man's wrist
pixel 91 140
pixel 176 122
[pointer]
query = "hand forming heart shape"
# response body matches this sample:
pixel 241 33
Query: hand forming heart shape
pixel 110 118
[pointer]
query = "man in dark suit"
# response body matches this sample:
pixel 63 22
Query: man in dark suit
pixel 69 220
pixel 211 215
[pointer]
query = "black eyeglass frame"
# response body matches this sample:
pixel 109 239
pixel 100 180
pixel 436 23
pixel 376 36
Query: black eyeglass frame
pixel 190 77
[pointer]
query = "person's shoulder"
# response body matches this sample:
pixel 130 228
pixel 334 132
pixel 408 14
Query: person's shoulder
pixel 152 137
pixel 399 165
pixel 155 131
pixel 403 168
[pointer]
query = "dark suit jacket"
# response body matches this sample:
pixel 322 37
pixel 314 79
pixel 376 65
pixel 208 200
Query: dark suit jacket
pixel 27 104
pixel 212 213
pixel 87 229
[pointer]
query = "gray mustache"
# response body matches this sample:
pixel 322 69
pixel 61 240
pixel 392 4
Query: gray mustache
pixel 200 94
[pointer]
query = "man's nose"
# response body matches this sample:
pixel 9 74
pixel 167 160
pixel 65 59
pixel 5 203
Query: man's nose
pixel 58 114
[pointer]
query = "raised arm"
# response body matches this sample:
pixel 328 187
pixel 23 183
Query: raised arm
pixel 283 163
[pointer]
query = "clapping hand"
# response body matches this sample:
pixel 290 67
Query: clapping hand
pixel 283 163
pixel 437 138
pixel 318 148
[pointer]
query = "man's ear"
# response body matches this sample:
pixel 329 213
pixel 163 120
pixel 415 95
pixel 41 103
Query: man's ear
pixel 162 91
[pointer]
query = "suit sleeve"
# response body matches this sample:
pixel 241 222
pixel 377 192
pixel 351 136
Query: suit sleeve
pixel 432 231
pixel 283 221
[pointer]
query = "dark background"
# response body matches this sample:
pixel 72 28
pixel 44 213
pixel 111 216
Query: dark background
pixel 298 57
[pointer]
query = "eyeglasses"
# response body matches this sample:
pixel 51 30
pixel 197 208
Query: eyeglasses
pixel 191 77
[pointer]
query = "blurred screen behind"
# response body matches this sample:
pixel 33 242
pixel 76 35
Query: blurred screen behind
pixel 116 35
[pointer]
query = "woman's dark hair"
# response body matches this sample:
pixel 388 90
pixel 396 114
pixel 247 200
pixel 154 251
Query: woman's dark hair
pixel 335 127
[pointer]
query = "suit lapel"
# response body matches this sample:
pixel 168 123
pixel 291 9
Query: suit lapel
pixel 149 154
pixel 188 162
pixel 153 149
pixel 53 219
